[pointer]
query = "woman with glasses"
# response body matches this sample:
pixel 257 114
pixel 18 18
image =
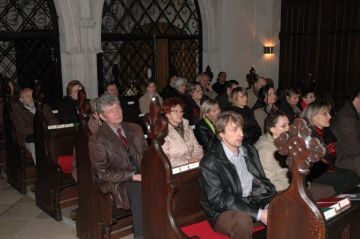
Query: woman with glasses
pixel 180 144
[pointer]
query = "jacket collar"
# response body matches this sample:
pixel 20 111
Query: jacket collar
pixel 222 155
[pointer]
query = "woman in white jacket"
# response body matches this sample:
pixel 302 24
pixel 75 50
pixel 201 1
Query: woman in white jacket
pixel 273 164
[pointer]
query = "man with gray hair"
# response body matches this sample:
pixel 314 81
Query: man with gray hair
pixel 116 151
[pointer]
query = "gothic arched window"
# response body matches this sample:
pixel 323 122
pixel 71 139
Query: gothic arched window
pixel 146 38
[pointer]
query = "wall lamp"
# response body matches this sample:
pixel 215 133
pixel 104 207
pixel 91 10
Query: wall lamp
pixel 269 50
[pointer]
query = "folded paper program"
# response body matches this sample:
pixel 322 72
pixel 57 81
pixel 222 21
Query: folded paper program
pixel 185 168
pixel 60 126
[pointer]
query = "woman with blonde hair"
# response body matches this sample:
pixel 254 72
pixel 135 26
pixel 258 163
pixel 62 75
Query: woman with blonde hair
pixel 205 128
pixel 239 101
pixel 324 172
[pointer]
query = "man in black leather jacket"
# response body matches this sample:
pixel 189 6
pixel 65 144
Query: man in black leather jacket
pixel 235 189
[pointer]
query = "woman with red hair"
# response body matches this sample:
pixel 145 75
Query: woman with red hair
pixel 180 144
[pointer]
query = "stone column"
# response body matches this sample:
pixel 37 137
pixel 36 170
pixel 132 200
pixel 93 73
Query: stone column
pixel 79 24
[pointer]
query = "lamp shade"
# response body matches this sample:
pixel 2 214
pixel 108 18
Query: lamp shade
pixel 268 50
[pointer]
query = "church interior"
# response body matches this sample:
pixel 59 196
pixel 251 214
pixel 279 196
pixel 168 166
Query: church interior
pixel 49 183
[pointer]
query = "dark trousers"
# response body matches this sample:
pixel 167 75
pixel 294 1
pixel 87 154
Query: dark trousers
pixel 235 224
pixel 342 180
pixel 133 190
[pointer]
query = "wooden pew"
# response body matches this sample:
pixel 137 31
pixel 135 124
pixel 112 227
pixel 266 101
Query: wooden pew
pixel 171 199
pixel 292 214
pixel 96 216
pixel 20 168
pixel 54 189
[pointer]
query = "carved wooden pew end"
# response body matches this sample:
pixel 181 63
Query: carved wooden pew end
pixel 54 188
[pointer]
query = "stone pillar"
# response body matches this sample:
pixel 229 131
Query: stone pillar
pixel 80 34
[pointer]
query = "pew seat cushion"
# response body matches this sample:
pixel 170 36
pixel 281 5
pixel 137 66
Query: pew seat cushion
pixel 66 163
pixel 203 230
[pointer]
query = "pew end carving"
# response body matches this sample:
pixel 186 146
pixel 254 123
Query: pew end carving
pixel 165 207
pixel 96 217
pixel 54 189
pixel 292 212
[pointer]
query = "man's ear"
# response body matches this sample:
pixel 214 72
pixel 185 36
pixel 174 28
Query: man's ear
pixel 21 100
pixel 101 117
pixel 221 135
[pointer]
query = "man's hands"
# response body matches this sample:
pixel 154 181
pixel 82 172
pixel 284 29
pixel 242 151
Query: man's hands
pixel 264 216
pixel 136 177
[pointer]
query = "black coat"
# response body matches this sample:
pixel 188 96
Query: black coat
pixel 204 135
pixel 221 186
pixel 192 111
pixel 68 111
pixel 219 88
pixel 252 130
pixel 223 101
pixel 288 110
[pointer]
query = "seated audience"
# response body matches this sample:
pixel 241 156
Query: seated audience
pixel 324 171
pixel 264 105
pixel 205 128
pixel 204 80
pixel 235 189
pixel 169 89
pixel 69 109
pixel 116 151
pixel 193 104
pixel 253 91
pixel 23 112
pixel 180 144
pixel 346 127
pixel 145 100
pixel 219 85
pixel 288 104
pixel 274 164
pixel 223 98
pixel 307 96
pixel 239 100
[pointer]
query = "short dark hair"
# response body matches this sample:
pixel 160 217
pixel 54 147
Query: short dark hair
pixel 292 91
pixel 229 83
pixel 109 83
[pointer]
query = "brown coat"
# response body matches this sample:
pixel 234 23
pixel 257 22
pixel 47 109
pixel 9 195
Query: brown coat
pixel 24 120
pixel 111 159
